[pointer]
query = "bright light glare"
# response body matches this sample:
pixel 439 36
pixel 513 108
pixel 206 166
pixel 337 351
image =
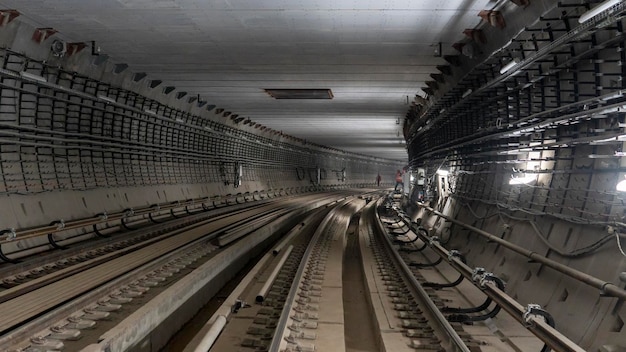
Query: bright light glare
pixel 442 172
pixel 597 10
pixel 523 180
pixel 412 178
pixel 621 186
pixel 509 66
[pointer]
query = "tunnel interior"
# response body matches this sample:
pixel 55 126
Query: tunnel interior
pixel 518 131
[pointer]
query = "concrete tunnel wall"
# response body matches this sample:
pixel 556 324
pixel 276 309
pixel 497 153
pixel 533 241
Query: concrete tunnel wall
pixel 98 137
pixel 570 212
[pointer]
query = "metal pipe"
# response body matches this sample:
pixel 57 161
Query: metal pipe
pixel 74 224
pixel 260 297
pixel 607 288
pixel 541 329
pixel 209 339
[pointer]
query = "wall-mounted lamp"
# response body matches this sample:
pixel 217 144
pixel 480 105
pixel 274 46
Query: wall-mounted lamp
pixel 509 66
pixel 437 52
pixel 597 10
pixel 621 186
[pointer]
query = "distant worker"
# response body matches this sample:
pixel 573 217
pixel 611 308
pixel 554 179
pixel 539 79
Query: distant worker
pixel 398 181
pixel 378 178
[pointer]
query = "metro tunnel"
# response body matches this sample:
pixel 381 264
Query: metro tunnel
pixel 228 175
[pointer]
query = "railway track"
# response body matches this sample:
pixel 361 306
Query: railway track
pixel 306 310
pixel 349 274
pixel 361 282
pixel 70 303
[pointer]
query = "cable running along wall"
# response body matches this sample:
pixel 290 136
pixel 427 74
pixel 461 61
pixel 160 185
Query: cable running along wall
pixel 73 132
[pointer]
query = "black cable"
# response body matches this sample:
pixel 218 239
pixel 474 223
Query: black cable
pixel 300 177
pixel 477 309
pixel 464 318
pixel 449 284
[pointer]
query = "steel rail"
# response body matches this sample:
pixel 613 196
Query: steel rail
pixel 538 327
pixel 450 336
pixel 27 307
pixel 56 289
pixel 281 327
pixel 250 212
pixel 39 282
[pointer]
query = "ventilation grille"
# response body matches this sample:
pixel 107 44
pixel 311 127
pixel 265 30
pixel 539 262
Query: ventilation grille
pixel 300 93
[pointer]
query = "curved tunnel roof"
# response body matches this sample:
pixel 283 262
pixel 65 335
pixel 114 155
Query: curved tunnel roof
pixel 373 56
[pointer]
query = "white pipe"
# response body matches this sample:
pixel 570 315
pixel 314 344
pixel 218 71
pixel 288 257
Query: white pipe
pixel 290 235
pixel 260 297
pixel 209 339
pixel 278 248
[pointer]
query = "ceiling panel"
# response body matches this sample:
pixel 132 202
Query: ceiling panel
pixel 373 55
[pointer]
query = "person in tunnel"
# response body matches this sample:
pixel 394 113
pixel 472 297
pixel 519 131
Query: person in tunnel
pixel 399 181
pixel 378 179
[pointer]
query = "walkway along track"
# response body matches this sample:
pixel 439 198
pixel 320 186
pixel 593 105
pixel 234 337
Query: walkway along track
pixel 73 298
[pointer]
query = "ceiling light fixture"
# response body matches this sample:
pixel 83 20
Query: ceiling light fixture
pixel 107 99
pixel 33 77
pixel 509 66
pixel 597 10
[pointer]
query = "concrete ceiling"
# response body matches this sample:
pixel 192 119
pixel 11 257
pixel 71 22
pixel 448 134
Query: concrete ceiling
pixel 374 55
